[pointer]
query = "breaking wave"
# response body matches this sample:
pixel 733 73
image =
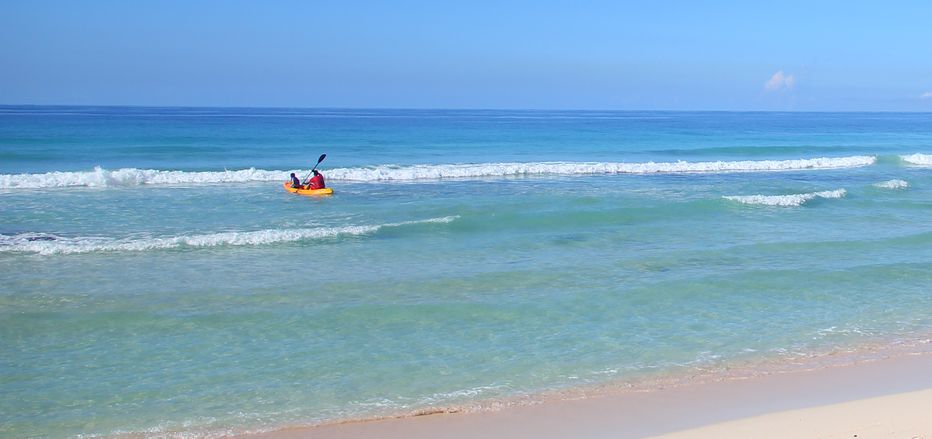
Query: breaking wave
pixel 918 159
pixel 892 184
pixel 100 177
pixel 785 200
pixel 436 172
pixel 47 244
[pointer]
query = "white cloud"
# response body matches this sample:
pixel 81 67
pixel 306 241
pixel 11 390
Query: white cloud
pixel 780 81
pixel 926 95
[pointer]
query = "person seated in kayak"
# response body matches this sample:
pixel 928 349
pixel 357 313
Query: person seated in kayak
pixel 317 181
pixel 295 182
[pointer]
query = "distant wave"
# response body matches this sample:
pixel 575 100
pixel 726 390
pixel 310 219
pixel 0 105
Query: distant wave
pixel 892 184
pixel 436 172
pixel 918 159
pixel 100 177
pixel 47 244
pixel 785 200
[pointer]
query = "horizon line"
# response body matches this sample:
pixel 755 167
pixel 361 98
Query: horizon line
pixel 278 107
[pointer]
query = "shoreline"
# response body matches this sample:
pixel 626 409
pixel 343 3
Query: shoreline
pixel 664 403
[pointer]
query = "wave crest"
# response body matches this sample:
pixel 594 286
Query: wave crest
pixel 100 177
pixel 785 200
pixel 436 172
pixel 892 184
pixel 918 159
pixel 47 244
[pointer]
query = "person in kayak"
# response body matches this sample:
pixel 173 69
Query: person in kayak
pixel 295 182
pixel 317 181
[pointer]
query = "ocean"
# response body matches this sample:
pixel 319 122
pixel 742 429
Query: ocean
pixel 158 280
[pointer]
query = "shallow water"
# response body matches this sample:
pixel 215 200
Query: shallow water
pixel 466 255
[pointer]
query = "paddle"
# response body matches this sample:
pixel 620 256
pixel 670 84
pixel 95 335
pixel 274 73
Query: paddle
pixel 322 157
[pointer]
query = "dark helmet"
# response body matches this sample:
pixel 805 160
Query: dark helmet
pixel 316 173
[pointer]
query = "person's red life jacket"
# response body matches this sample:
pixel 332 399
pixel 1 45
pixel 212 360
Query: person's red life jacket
pixel 317 182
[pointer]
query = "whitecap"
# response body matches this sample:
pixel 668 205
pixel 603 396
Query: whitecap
pixel 100 177
pixel 892 184
pixel 785 200
pixel 437 172
pixel 48 244
pixel 918 159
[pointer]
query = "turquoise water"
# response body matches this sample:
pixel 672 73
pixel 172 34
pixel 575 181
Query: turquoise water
pixel 157 279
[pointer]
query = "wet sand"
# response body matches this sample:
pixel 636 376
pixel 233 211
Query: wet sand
pixel 889 397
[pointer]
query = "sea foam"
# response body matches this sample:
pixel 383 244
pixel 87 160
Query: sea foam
pixel 100 177
pixel 785 200
pixel 436 172
pixel 892 184
pixel 47 244
pixel 918 159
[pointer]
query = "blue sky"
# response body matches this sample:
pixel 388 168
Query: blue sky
pixel 777 55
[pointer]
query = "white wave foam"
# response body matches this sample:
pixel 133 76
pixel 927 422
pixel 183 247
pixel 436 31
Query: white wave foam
pixel 785 200
pixel 918 159
pixel 45 244
pixel 100 177
pixel 436 172
pixel 892 184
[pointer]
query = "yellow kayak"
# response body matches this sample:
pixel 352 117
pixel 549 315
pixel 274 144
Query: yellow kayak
pixel 302 190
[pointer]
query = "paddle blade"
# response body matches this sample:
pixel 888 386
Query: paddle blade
pixel 322 157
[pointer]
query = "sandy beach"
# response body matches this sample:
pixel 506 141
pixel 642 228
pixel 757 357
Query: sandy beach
pixel 903 415
pixel 889 397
